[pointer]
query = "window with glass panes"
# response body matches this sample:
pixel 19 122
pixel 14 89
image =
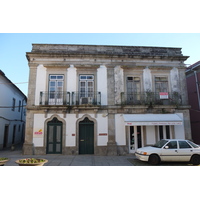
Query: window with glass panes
pixel 133 89
pixel 86 85
pixel 56 86
pixel 161 84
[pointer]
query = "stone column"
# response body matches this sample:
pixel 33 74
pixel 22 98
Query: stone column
pixel 111 144
pixel 119 83
pixel 28 144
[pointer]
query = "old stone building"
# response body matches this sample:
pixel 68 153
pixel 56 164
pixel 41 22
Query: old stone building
pixel 104 100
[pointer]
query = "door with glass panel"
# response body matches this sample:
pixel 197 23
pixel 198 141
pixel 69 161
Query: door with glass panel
pixel 56 89
pixel 54 136
pixel 86 89
pixel 161 86
pixel 133 90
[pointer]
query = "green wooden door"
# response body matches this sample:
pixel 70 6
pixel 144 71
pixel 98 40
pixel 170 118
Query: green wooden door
pixel 86 137
pixel 54 137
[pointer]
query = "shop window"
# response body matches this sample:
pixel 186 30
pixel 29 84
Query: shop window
pixel 164 132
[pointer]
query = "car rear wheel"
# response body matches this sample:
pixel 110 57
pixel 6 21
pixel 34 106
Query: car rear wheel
pixel 154 159
pixel 195 160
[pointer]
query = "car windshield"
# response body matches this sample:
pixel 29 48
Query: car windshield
pixel 193 144
pixel 160 143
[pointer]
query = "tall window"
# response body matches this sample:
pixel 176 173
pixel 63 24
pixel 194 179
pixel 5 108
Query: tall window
pixel 161 84
pixel 86 85
pixel 133 89
pixel 56 89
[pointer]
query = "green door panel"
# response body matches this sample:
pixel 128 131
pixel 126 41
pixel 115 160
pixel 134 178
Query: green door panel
pixel 54 137
pixel 86 137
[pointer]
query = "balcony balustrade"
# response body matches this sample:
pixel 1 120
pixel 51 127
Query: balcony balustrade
pixel 65 98
pixel 151 98
pixel 54 98
pixel 86 98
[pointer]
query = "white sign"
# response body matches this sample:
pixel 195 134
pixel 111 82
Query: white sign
pixel 164 95
pixel 152 123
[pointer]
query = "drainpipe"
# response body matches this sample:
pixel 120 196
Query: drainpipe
pixel 197 86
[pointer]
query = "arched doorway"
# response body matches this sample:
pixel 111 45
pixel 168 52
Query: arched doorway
pixel 54 136
pixel 86 136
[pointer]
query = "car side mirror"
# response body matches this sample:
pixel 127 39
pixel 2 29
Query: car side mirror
pixel 166 147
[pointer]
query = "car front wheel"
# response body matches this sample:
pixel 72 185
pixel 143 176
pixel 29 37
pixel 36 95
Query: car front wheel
pixel 195 160
pixel 154 159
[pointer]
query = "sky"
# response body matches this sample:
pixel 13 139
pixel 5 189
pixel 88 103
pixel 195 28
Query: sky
pixel 13 47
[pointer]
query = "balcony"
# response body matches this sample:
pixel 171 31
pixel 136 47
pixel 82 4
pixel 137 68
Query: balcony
pixel 151 98
pixel 54 98
pixel 86 98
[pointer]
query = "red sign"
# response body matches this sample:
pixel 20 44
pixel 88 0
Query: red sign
pixel 38 133
pixel 164 95
pixel 103 134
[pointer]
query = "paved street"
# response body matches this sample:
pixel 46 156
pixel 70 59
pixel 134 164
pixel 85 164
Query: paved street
pixel 81 160
pixel 69 160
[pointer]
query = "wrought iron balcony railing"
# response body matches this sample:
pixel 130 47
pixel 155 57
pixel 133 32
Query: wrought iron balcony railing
pixel 151 98
pixel 54 98
pixel 86 98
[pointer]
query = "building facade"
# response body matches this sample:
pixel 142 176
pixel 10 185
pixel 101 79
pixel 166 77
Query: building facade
pixel 193 80
pixel 104 100
pixel 12 113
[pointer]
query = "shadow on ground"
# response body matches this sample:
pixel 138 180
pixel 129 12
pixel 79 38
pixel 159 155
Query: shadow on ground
pixel 137 162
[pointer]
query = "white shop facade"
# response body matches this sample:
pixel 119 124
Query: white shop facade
pixel 139 130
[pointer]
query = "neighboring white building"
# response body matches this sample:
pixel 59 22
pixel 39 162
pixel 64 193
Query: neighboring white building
pixel 12 113
pixel 104 100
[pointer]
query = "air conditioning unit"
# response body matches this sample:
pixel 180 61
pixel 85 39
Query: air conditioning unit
pixel 86 100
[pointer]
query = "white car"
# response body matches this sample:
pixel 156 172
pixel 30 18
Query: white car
pixel 170 150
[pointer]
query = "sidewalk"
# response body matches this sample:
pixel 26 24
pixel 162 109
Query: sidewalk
pixel 69 160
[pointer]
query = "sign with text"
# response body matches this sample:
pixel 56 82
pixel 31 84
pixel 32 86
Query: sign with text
pixel 164 95
pixel 39 132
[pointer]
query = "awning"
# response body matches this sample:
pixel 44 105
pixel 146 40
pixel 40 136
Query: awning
pixel 152 119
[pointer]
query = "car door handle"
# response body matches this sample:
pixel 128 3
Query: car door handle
pixel 176 151
pixel 82 140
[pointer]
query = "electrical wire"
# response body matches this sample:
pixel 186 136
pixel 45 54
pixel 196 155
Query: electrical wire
pixel 14 83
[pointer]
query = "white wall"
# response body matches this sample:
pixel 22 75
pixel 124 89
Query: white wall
pixel 102 127
pixel 150 135
pixel 147 79
pixel 71 120
pixel 70 140
pixel 179 129
pixel 40 83
pixel 8 116
pixel 102 84
pixel 71 79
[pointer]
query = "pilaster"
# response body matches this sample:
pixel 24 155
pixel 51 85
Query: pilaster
pixel 111 144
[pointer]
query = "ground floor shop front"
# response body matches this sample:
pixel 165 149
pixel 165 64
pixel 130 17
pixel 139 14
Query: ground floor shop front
pixel 100 134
